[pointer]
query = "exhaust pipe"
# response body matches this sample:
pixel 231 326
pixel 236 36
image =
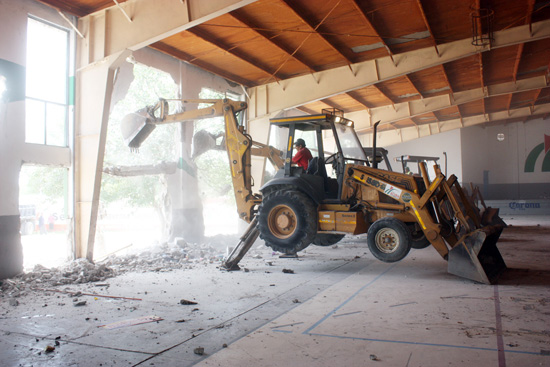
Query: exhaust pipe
pixel 374 160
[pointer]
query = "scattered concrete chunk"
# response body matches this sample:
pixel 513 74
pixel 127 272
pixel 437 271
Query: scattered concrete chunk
pixel 14 302
pixel 288 271
pixel 187 302
pixel 79 303
pixel 49 349
pixel 199 351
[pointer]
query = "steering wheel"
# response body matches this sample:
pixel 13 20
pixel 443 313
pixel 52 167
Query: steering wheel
pixel 332 159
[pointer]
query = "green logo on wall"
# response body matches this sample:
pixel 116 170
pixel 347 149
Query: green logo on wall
pixel 535 153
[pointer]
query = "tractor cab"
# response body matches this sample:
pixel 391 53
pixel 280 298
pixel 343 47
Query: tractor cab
pixel 325 170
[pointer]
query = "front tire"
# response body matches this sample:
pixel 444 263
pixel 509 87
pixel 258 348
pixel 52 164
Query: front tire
pixel 419 240
pixel 287 221
pixel 389 239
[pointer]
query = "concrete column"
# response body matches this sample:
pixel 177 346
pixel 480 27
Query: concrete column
pixel 93 102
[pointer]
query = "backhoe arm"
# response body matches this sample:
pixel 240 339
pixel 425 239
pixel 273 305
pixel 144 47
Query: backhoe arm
pixel 138 126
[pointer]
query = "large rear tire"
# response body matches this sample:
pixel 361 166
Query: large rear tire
pixel 287 221
pixel 327 239
pixel 389 239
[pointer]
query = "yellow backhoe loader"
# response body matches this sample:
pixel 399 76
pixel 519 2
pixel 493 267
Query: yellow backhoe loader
pixel 300 207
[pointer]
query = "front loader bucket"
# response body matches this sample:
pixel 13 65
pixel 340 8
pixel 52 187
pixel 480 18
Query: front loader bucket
pixel 476 256
pixel 136 127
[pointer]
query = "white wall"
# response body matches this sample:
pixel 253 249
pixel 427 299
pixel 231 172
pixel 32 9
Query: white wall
pixel 13 149
pixel 433 145
pixel 504 161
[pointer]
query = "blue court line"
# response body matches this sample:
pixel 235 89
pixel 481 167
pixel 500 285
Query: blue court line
pixel 427 344
pixel 308 331
pixel 348 300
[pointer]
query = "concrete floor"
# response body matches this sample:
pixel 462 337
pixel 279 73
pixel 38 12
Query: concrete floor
pixel 340 307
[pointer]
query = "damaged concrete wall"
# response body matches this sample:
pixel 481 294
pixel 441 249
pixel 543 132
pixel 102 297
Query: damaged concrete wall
pixel 185 209
pixel 13 149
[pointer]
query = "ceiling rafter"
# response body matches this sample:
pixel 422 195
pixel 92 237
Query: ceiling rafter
pixel 517 61
pixel 496 116
pixel 169 50
pixel 375 86
pixel 232 50
pixel 331 104
pixel 509 103
pixel 266 36
pixel 427 24
pixel 365 18
pixel 537 94
pixel 359 100
pixel 530 7
pixel 414 86
pixel 314 27
pixel 419 107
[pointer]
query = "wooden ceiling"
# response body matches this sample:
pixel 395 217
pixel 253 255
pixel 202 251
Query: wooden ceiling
pixel 273 40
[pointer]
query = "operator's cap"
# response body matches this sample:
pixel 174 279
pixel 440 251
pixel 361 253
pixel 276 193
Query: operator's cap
pixel 300 142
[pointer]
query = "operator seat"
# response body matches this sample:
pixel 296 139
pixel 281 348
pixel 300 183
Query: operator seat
pixel 317 167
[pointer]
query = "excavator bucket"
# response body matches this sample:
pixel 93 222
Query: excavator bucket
pixel 136 127
pixel 476 256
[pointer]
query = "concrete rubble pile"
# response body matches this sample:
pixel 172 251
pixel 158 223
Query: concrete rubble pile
pixel 165 257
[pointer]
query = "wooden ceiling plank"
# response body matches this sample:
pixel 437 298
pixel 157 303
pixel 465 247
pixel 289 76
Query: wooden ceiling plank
pixel 231 50
pixel 447 78
pixel 384 95
pixel 419 107
pixel 73 9
pixel 530 7
pixel 266 36
pixel 162 47
pixel 414 86
pixel 358 100
pixel 537 94
pixel 299 90
pixel 425 19
pixel 308 22
pixel 518 60
pixel 365 18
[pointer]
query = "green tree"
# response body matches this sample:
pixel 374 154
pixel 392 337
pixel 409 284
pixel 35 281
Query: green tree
pixel 148 86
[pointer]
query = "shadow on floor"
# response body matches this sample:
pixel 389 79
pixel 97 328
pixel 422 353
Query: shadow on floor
pixel 525 277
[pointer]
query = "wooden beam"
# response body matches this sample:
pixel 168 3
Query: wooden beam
pixel 427 24
pixel 384 94
pixel 369 23
pixel 529 17
pixel 509 104
pixel 359 100
pixel 447 78
pixel 537 94
pixel 300 90
pixel 404 110
pixel 266 36
pixel 414 86
pixel 257 64
pixel 314 27
pixel 517 61
pixel 169 50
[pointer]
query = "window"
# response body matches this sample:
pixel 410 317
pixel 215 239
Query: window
pixel 47 84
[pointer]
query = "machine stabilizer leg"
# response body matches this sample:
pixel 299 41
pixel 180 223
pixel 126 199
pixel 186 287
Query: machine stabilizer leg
pixel 246 241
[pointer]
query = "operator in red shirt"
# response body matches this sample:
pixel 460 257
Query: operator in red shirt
pixel 303 155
